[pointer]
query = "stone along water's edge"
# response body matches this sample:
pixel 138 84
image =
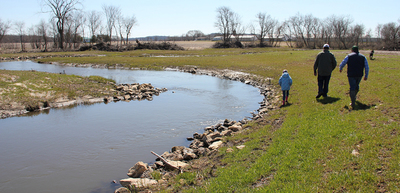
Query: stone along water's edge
pixel 179 157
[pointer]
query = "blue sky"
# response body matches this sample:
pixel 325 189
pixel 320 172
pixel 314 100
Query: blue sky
pixel 176 17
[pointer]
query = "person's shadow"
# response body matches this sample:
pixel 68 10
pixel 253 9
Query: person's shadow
pixel 360 106
pixel 328 100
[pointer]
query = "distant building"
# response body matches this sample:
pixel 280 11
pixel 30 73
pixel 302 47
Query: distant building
pixel 244 38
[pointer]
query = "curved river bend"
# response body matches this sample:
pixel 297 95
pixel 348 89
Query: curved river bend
pixel 84 148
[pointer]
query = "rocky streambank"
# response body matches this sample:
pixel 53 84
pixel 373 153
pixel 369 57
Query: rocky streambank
pixel 179 158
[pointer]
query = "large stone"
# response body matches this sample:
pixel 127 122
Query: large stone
pixel 226 133
pixel 212 137
pixel 215 145
pixel 137 170
pixel 122 190
pixel 196 144
pixel 235 128
pixel 178 164
pixel 172 156
pixel 137 182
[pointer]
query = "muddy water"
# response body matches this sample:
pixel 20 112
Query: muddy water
pixel 84 148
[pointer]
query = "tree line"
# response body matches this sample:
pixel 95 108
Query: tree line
pixel 68 22
pixel 306 31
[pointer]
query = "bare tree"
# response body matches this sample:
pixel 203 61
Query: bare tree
pixel 341 30
pixel 42 32
pixel 303 27
pixel 4 27
pixel 94 21
pixel 223 23
pixel 266 26
pixel 77 21
pixel 236 27
pixel 129 22
pixel 357 33
pixel 20 29
pixel 391 36
pixel 112 14
pixel 193 34
pixel 288 33
pixel 61 10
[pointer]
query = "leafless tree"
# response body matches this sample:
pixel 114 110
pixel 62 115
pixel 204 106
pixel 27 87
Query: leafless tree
pixel 341 30
pixel 76 22
pixel 193 34
pixel 42 32
pixel 61 10
pixel 287 30
pixel 94 22
pixel 223 23
pixel 20 29
pixel 357 33
pixel 278 32
pixel 303 26
pixel 391 36
pixel 238 30
pixel 112 14
pixel 129 22
pixel 266 24
pixel 4 27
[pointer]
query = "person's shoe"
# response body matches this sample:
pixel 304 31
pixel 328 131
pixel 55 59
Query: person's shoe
pixel 325 95
pixel 283 103
pixel 319 95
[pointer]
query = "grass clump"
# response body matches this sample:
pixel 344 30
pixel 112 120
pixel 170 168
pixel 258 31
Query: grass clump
pixel 28 88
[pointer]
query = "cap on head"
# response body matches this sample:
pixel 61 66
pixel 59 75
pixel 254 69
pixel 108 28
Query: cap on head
pixel 284 71
pixel 326 46
pixel 354 49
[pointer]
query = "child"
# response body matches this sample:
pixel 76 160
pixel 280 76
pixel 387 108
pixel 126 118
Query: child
pixel 285 81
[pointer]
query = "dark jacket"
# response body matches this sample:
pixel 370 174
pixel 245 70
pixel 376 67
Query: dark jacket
pixel 325 63
pixel 356 64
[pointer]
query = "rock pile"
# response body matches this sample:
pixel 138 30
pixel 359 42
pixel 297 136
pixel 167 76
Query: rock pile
pixel 202 145
pixel 135 91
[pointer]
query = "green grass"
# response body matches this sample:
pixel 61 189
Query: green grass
pixel 311 151
pixel 28 88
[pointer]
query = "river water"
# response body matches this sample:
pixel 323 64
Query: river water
pixel 83 148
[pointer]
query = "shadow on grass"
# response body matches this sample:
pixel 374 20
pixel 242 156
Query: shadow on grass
pixel 359 106
pixel 328 100
pixel 286 105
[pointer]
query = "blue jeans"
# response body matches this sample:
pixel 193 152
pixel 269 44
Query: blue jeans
pixel 323 84
pixel 285 94
pixel 354 83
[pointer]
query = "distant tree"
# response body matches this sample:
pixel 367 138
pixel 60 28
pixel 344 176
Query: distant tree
pixel 193 34
pixel 42 32
pixel 112 14
pixel 303 27
pixel 224 19
pixel 94 22
pixel 357 33
pixel 129 22
pixel 266 25
pixel 20 29
pixel 61 10
pixel 4 27
pixel 341 30
pixel 77 21
pixel 391 36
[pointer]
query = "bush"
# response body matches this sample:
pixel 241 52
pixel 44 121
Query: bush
pixel 158 46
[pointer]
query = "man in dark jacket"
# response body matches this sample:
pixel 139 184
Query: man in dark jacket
pixel 325 63
pixel 356 63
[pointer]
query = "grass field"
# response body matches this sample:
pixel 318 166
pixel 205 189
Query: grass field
pixel 308 146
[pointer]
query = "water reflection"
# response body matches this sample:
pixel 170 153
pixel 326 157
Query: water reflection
pixel 83 148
